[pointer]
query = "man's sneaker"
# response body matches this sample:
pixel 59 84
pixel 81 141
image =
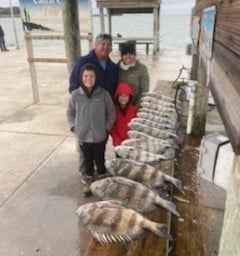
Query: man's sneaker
pixel 83 178
pixel 86 187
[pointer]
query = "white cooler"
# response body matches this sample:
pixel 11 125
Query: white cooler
pixel 215 159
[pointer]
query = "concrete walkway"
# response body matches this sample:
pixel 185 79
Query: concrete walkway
pixel 40 189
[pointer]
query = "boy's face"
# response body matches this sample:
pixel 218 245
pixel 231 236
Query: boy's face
pixel 123 98
pixel 88 78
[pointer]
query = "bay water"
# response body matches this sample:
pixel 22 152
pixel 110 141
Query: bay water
pixel 174 29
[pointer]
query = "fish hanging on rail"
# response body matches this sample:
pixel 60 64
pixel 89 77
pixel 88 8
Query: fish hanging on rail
pixel 166 114
pixel 111 223
pixel 131 193
pixel 138 154
pixel 143 173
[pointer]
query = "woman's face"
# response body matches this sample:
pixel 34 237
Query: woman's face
pixel 88 78
pixel 128 58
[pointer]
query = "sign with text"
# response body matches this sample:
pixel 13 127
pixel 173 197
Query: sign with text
pixel 46 15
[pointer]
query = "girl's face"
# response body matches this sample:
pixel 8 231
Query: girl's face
pixel 123 99
pixel 88 78
pixel 128 58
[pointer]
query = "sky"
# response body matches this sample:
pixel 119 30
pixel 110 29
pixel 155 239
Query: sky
pixel 168 6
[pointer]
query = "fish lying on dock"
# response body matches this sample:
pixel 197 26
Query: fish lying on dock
pixel 143 136
pixel 141 172
pixel 156 118
pixel 109 222
pixel 150 146
pixel 158 125
pixel 155 132
pixel 160 96
pixel 131 193
pixel 138 154
pixel 156 101
pixel 156 107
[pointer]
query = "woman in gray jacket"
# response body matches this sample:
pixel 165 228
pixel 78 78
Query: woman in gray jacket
pixel 91 114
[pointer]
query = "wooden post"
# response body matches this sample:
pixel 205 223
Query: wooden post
pixel 102 26
pixel 32 67
pixel 229 242
pixel 155 30
pixel 71 31
pixel 158 28
pixel 109 21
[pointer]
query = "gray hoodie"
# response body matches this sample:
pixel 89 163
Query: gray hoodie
pixel 90 118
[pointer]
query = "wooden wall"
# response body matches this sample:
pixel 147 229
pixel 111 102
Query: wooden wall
pixel 223 66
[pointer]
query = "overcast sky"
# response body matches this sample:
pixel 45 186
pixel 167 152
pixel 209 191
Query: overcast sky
pixel 168 6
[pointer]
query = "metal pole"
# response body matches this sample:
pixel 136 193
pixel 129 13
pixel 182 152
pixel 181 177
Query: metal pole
pixel 14 25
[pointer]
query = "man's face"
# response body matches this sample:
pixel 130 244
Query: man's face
pixel 103 49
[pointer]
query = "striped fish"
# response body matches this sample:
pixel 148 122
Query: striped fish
pixel 156 118
pixel 143 173
pixel 111 223
pixel 157 101
pixel 150 146
pixel 160 97
pixel 138 154
pixel 132 194
pixel 166 114
pixel 156 107
pixel 158 125
pixel 143 136
pixel 155 132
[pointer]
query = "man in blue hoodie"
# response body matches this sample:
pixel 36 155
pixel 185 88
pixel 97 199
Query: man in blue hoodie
pixel 107 74
pixel 99 56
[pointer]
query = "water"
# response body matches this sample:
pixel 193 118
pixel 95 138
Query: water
pixel 174 29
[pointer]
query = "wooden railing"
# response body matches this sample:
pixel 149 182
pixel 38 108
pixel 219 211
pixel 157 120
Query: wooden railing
pixel 31 59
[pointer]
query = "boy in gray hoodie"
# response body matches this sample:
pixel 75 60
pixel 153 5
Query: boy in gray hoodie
pixel 91 115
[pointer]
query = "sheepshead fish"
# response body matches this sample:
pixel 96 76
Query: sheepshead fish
pixel 138 154
pixel 156 118
pixel 160 97
pixel 157 101
pixel 111 223
pixel 156 107
pixel 132 194
pixel 161 126
pixel 166 114
pixel 150 146
pixel 143 136
pixel 155 132
pixel 143 173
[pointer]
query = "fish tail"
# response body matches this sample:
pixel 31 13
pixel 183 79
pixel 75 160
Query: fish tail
pixel 159 229
pixel 170 206
pixel 176 182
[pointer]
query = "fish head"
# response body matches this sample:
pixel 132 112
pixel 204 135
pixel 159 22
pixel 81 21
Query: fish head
pixel 112 165
pixel 101 187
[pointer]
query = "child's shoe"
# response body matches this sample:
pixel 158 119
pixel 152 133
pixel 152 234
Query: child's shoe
pixel 86 186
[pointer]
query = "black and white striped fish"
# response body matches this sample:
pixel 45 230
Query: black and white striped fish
pixel 156 118
pixel 150 146
pixel 137 154
pixel 157 101
pixel 155 132
pixel 166 114
pixel 156 107
pixel 131 193
pixel 111 223
pixel 160 96
pixel 143 136
pixel 159 125
pixel 143 173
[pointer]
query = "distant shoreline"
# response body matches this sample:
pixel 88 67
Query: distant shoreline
pixel 5 12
